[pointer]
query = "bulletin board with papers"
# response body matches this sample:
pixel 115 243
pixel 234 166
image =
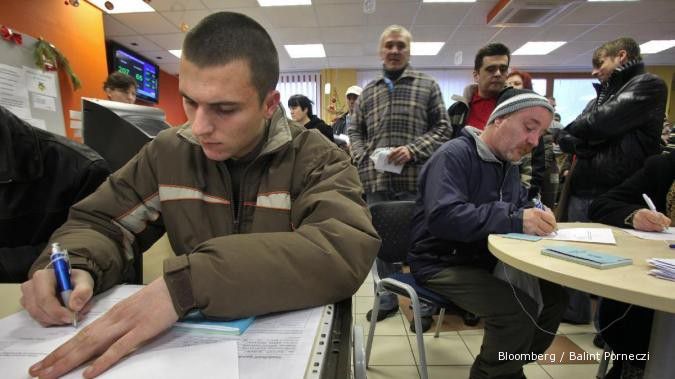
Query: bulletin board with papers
pixel 26 90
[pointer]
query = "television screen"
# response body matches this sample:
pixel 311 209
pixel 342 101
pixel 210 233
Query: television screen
pixel 138 67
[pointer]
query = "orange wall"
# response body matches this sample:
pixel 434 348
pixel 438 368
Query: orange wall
pixel 170 100
pixel 78 34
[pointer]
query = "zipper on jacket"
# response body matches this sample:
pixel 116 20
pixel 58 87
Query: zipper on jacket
pixel 235 220
pixel 505 173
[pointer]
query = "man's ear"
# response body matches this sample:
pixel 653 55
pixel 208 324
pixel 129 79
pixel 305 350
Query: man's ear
pixel 475 76
pixel 270 103
pixel 623 56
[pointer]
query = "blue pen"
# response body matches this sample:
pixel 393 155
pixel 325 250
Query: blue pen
pixel 61 264
pixel 537 204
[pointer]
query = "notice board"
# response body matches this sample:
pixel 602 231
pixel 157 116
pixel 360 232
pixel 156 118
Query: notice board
pixel 26 90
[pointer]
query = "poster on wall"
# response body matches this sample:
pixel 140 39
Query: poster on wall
pixel 13 92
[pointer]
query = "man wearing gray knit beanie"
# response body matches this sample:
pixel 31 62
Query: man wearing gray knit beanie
pixel 470 188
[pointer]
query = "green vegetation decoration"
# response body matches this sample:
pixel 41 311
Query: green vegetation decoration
pixel 49 58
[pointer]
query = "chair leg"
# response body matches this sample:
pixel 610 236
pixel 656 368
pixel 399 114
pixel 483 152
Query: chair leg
pixel 373 321
pixel 419 335
pixel 439 322
pixel 604 362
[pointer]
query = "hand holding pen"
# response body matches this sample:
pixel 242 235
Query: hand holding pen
pixel 539 220
pixel 650 220
pixel 61 264
pixel 42 302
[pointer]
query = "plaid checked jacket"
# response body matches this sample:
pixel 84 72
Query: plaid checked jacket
pixel 412 114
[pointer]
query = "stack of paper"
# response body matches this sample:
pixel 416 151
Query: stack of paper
pixel 663 268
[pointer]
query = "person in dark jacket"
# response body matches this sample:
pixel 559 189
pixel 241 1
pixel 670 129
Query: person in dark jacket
pixel 300 107
pixel 341 124
pixel 532 166
pixel 612 137
pixel 469 189
pixel 41 176
pixel 623 206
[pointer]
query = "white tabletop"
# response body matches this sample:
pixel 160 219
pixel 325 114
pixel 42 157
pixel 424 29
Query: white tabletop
pixel 630 284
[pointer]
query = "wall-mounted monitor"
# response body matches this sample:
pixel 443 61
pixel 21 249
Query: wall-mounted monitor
pixel 138 67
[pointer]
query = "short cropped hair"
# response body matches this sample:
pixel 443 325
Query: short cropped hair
pixel 301 101
pixel 396 29
pixel 224 37
pixel 612 48
pixel 527 78
pixel 119 81
pixel 489 51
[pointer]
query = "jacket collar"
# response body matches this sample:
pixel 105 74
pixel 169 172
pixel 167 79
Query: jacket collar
pixel 279 132
pixel 20 152
pixel 482 149
pixel 408 72
pixel 622 74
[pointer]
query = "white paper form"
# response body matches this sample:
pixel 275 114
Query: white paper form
pixel 13 93
pixel 668 235
pixel 279 345
pixel 175 354
pixel 38 81
pixel 594 235
pixel 381 161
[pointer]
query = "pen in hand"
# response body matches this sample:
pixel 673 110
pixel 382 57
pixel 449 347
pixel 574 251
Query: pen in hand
pixel 651 206
pixel 539 205
pixel 61 264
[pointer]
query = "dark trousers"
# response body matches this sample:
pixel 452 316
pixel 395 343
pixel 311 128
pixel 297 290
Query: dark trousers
pixel 507 328
pixel 630 335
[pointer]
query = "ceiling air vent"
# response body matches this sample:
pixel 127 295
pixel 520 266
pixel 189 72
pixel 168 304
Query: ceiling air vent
pixel 526 12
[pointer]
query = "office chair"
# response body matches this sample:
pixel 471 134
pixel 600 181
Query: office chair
pixel 392 221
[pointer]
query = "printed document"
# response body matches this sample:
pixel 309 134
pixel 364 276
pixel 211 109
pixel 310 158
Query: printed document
pixel 668 235
pixel 23 342
pixel 594 235
pixel 274 345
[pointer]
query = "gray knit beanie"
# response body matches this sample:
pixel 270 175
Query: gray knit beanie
pixel 511 100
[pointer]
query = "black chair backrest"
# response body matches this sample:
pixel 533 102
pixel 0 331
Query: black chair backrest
pixel 392 222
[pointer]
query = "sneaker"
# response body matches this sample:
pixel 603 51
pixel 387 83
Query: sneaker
pixel 425 321
pixel 381 314
pixel 470 319
pixel 598 341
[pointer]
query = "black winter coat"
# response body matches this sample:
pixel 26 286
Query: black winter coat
pixel 41 176
pixel 617 131
pixel 317 123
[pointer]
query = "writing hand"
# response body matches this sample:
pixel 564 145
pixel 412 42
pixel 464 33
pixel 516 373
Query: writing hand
pixel 39 298
pixel 114 335
pixel 650 221
pixel 539 222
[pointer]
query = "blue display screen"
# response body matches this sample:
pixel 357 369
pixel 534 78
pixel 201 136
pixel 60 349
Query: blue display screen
pixel 144 72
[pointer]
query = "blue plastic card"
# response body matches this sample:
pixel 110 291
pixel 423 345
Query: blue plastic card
pixel 521 236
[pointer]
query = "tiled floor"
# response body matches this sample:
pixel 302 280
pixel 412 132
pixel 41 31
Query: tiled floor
pixel 394 353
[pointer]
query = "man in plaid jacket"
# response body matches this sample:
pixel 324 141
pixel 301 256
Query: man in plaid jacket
pixel 402 111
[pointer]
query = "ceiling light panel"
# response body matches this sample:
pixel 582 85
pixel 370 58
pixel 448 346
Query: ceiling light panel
pixel 426 48
pixel 306 51
pixel 656 46
pixel 538 48
pixel 283 3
